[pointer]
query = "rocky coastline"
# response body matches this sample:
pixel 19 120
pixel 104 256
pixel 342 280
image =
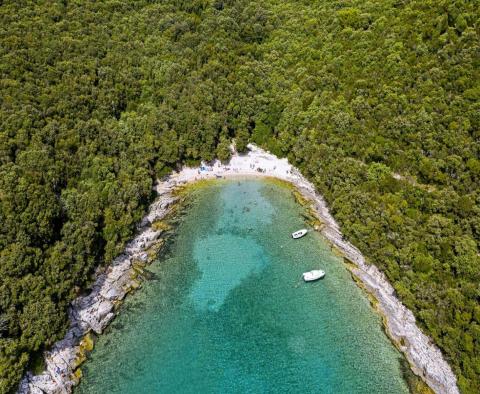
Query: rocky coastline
pixel 92 313
pixel 425 359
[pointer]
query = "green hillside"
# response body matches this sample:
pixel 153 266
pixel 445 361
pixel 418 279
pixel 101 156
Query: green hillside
pixel 377 102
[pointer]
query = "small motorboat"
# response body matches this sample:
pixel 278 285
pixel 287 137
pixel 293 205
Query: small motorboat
pixel 299 233
pixel 310 276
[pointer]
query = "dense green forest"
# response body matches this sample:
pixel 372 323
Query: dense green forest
pixel 376 101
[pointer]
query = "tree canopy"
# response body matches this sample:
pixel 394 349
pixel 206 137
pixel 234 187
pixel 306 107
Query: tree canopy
pixel 377 102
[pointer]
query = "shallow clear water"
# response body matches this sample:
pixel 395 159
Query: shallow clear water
pixel 228 312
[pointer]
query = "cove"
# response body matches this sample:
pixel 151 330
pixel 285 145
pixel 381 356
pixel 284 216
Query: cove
pixel 227 311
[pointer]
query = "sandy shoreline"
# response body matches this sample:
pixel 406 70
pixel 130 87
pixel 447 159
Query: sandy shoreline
pixel 95 311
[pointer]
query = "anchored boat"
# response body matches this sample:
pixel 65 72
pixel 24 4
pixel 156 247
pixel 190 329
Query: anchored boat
pixel 310 276
pixel 299 233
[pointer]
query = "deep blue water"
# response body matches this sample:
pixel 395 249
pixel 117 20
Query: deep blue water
pixel 228 312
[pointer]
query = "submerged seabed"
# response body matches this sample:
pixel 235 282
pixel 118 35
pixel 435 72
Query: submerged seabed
pixel 227 311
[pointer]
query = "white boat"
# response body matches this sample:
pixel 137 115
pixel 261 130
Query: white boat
pixel 310 276
pixel 299 233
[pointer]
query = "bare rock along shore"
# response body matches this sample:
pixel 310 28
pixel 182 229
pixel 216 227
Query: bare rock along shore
pixel 92 313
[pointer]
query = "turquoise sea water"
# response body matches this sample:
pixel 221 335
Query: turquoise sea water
pixel 228 312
